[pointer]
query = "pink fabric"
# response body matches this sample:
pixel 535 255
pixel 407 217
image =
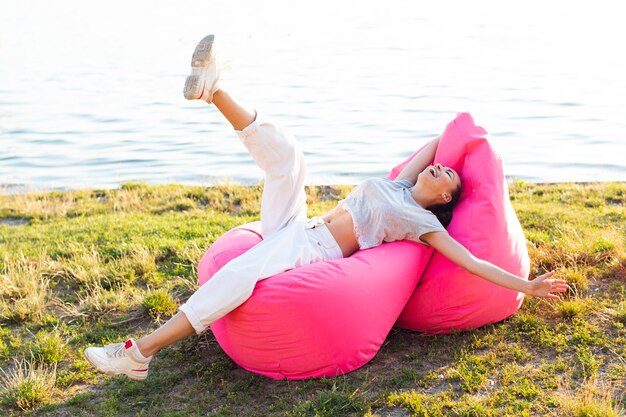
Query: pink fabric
pixel 448 298
pixel 331 317
pixel 323 319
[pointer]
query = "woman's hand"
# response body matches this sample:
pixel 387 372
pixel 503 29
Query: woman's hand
pixel 542 286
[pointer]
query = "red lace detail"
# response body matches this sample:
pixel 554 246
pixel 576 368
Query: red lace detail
pixel 202 92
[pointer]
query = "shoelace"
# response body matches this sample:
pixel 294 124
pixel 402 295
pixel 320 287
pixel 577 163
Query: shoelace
pixel 115 350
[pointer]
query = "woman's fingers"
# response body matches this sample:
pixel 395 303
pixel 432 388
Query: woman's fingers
pixel 559 286
pixel 545 276
pixel 550 286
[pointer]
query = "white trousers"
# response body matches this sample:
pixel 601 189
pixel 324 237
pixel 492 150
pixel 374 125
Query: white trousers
pixel 290 239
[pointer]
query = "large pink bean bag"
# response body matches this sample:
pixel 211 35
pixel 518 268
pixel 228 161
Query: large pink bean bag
pixel 447 297
pixel 318 320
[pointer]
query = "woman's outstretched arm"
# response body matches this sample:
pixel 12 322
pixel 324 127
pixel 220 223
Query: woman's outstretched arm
pixel 423 159
pixel 541 286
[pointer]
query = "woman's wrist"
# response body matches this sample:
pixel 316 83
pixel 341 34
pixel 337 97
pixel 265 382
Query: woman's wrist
pixel 503 278
pixel 527 287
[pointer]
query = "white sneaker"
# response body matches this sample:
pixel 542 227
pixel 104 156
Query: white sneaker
pixel 119 358
pixel 205 75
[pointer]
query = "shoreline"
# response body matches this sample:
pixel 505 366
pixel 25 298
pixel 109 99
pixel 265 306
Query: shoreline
pixel 22 189
pixel 21 209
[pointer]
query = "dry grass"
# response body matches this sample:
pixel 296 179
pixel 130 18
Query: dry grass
pixel 591 399
pixel 24 288
pixel 27 384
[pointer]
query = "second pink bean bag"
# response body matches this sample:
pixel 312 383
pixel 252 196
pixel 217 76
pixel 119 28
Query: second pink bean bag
pixel 447 297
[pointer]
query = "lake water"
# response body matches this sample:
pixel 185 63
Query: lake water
pixel 91 93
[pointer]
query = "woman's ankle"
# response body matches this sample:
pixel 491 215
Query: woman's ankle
pixel 217 93
pixel 144 349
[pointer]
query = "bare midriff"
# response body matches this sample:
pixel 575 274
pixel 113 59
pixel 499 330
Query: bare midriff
pixel 340 225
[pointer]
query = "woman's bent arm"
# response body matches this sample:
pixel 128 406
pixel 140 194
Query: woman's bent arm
pixel 419 163
pixel 457 253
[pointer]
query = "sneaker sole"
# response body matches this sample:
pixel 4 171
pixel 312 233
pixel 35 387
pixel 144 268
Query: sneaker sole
pixel 136 377
pixel 199 60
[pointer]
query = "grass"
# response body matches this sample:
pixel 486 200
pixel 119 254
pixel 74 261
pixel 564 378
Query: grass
pixel 27 385
pixel 159 303
pixel 92 267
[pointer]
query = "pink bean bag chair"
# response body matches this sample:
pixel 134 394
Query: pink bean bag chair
pixel 331 317
pixel 323 319
pixel 447 297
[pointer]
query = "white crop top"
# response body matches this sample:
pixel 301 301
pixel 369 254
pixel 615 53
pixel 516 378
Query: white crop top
pixel 384 211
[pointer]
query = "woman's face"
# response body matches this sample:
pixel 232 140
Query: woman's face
pixel 439 181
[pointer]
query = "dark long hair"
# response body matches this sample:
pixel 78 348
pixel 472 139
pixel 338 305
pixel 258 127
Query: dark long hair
pixel 444 211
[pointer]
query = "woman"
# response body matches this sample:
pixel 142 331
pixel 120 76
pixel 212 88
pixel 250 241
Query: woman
pixel 416 206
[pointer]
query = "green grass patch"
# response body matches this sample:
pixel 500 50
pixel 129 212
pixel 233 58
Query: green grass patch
pixel 159 303
pixel 571 308
pixel 27 385
pixel 92 267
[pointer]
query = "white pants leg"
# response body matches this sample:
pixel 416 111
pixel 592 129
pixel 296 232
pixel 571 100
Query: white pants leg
pixel 279 155
pixel 289 239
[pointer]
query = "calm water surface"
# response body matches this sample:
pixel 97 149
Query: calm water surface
pixel 91 94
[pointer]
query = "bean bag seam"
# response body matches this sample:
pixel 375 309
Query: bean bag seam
pixel 250 230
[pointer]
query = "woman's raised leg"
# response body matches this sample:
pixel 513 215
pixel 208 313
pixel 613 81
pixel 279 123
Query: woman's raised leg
pixel 274 149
